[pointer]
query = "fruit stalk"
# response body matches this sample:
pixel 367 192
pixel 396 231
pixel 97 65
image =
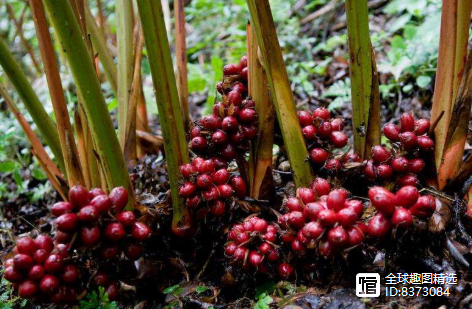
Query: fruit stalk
pixel 101 127
pixel 167 99
pixel 364 79
pixel 281 93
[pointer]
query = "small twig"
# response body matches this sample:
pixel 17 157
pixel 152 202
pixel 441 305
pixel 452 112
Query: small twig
pixel 205 266
pixel 282 172
pixel 437 193
pixel 253 200
pixel 456 254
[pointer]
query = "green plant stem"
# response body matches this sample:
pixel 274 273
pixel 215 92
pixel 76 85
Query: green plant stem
pixel 167 99
pixel 101 127
pixel 34 106
pixel 364 79
pixel 281 94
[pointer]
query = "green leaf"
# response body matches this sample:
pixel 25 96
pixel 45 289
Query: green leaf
pixel 202 289
pixel 266 288
pixel 39 174
pixel 263 302
pixel 423 81
pixel 18 179
pixel 7 166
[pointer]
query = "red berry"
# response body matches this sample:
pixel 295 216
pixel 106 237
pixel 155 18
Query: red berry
pixel 422 126
pixel 255 258
pixel 221 176
pixel 78 196
pixel 244 74
pixel 240 253
pixel 325 248
pixel 311 210
pixel 188 189
pixel 424 207
pixel 102 204
pixel 26 245
pixel 27 289
pixel 293 204
pixel 379 225
pixel 402 217
pixel 260 225
pixel 217 208
pixel 228 152
pixel 187 170
pixel 204 181
pixel 219 87
pixel 70 274
pixel 88 214
pixel 211 122
pixel 336 199
pixel 115 231
pixel 407 123
pixel 324 131
pixel 285 271
pixel 392 132
pixel 109 252
pixel 44 242
pixel 337 124
pixel 62 250
pixel 352 158
pixel 49 284
pixel 370 171
pixel 304 118
pixel 112 290
pixel 425 143
pixel 296 219
pixel 297 246
pixel 347 217
pixel 306 195
pixel 225 191
pixel 243 62
pixel 22 261
pixel 250 131
pixel 95 192
pixel 12 275
pixel 408 140
pixel 333 165
pixel 384 171
pixel 406 196
pixel 338 237
pixel 198 144
pixel 67 222
pixel 229 124
pixel 408 180
pixel 219 138
pixel 133 251
pixel 338 139
pixel 322 113
pixel 220 163
pixel 230 248
pixel 211 194
pixel 53 263
pixel 140 231
pixel 90 236
pixel 400 164
pixel 101 278
pixel 119 199
pixel 63 238
pixel 231 69
pixel 416 166
pixel 309 132
pixel 247 115
pixel 318 156
pixel 127 218
pixel 239 186
pixel 355 236
pixel 195 131
pixel 193 201
pixel 234 97
pixel 321 186
pixel 327 217
pixel 382 200
pixel 380 154
pixel 356 206
pixel 36 272
pixel 272 255
pixel 61 208
pixel 313 230
pixel 40 256
pixel 237 137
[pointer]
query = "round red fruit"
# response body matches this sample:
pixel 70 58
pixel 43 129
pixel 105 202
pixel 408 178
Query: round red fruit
pixel 321 112
pixel 338 237
pixel 229 124
pixel 347 217
pixel 70 274
pixel 408 180
pixel 231 69
pixel 379 225
pixel 114 231
pixel 333 165
pixel 61 208
pixel 187 170
pixel 356 236
pixel 127 218
pixel 296 219
pixel 408 140
pixel 27 289
pixel 78 196
pixel 406 196
pixel 309 132
pixel 338 139
pixel 380 154
pixel 321 186
pixel 407 123
pixel 133 251
pixel 327 217
pixel 313 230
pixel 424 207
pixel 67 222
pixel 36 272
pixel 306 195
pixel 384 171
pixel 26 245
pixel 416 165
pixel 44 242
pixel 422 126
pixel 311 210
pixel 293 204
pixel 318 156
pixel 336 199
pixel 53 263
pixel 425 143
pixel 198 144
pixel 12 275
pixel 234 98
pixel 402 218
pixel 400 164
pixel 255 258
pixel 188 189
pixel 285 270
pixel 392 132
pixel 304 118
pixel 22 261
pixel 95 192
pixel 88 214
pixel 324 131
pixel 382 199
pixel 102 204
pixel 239 186
pixel 119 199
pixel 140 231
pixel 211 122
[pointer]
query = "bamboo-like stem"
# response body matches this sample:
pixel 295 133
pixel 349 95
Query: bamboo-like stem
pixel 82 149
pixel 455 20
pixel 66 136
pixel 101 127
pixel 167 100
pixel 100 46
pixel 124 36
pixel 364 80
pixel 52 171
pixel 40 117
pixel 25 42
pixel 261 185
pixel 101 18
pixel 181 56
pixel 130 150
pixel 281 94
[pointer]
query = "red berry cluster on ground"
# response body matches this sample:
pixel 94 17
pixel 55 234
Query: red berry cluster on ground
pixel 323 218
pixel 397 210
pixel 43 266
pixel 253 244
pixel 323 134
pixel 42 270
pixel 410 135
pixel 208 182
pixel 233 122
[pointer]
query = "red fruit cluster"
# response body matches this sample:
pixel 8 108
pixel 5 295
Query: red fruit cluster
pixel 98 218
pixel 323 218
pixel 41 270
pixel 322 134
pixel 208 182
pixel 385 165
pixel 397 210
pixel 253 245
pixel 233 122
pixel 410 135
